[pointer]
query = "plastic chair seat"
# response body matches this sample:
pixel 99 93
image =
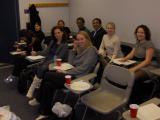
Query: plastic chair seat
pixel 104 102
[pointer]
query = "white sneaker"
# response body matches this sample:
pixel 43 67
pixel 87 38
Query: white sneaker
pixel 41 117
pixel 10 78
pixel 33 102
pixel 35 84
pixel 29 95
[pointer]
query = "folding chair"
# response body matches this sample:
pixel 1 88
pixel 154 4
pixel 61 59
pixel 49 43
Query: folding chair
pixel 113 93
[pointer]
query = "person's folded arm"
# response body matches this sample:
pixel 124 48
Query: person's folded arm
pixel 90 60
pixel 72 55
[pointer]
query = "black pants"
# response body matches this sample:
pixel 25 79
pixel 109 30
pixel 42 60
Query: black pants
pixel 43 68
pixel 141 90
pixel 52 81
pixel 103 62
pixel 20 63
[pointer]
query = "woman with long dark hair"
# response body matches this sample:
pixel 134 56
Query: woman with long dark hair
pixel 83 57
pixel 58 48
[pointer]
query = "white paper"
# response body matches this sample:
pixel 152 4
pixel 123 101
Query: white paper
pixel 64 66
pixel 16 52
pixel 126 63
pixel 149 112
pixel 34 58
pixel 22 43
pixel 80 86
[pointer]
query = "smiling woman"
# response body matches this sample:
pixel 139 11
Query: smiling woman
pixel 58 48
pixel 143 52
pixel 83 57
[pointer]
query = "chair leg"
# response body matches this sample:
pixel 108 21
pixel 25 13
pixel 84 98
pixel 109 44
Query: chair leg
pixel 84 114
pixel 119 117
pixel 55 94
pixel 155 82
pixel 66 96
pixel 78 101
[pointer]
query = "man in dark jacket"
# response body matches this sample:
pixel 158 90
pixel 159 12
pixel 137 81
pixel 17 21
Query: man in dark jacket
pixel 97 34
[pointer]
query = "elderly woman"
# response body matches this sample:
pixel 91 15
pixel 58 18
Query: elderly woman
pixel 142 52
pixel 58 48
pixel 83 57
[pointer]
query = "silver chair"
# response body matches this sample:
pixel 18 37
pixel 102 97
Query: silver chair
pixel 113 93
pixel 90 77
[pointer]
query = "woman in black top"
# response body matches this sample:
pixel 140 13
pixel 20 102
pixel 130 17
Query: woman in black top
pixel 61 24
pixel 39 37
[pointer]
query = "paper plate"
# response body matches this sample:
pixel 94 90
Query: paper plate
pixel 6 115
pixel 64 66
pixel 80 86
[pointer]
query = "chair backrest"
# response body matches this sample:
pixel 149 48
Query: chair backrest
pixel 96 68
pixel 126 49
pixel 117 80
pixel 92 76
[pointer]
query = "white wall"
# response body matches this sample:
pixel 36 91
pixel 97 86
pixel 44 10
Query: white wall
pixel 49 15
pixel 126 14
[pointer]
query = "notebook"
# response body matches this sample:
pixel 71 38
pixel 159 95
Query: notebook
pixel 64 66
pixel 149 112
pixel 126 63
pixel 22 43
pixel 16 53
pixel 35 58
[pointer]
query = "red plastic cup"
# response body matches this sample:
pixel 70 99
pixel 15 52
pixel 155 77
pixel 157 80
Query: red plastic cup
pixel 68 79
pixel 58 62
pixel 133 110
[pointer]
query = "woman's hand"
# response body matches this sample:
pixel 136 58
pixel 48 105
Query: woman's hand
pixel 24 53
pixel 102 53
pixel 75 44
pixel 18 50
pixel 22 41
pixel 132 70
pixel 33 53
pixel 16 45
pixel 123 59
pixel 60 71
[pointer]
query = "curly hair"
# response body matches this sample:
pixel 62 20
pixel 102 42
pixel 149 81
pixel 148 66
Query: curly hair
pixel 146 32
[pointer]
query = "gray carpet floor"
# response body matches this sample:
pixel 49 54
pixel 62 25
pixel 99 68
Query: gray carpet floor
pixel 19 103
pixel 10 96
